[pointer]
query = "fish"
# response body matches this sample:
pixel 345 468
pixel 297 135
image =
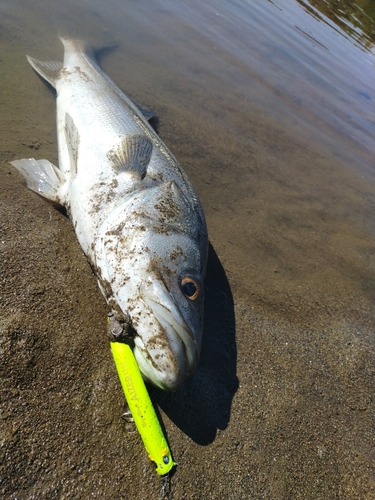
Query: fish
pixel 135 213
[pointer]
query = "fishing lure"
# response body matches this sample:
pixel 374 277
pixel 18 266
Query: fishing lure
pixel 141 407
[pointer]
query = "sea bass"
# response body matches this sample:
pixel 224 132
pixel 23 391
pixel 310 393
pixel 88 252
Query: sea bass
pixel 135 213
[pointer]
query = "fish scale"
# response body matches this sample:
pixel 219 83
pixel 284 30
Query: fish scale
pixel 135 214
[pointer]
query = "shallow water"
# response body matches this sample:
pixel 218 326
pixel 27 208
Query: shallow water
pixel 269 107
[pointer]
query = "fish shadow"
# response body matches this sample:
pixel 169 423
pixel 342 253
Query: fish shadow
pixel 203 403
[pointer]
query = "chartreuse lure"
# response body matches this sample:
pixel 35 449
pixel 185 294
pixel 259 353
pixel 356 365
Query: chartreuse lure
pixel 140 405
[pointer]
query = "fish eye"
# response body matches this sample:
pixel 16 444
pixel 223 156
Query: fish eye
pixel 190 287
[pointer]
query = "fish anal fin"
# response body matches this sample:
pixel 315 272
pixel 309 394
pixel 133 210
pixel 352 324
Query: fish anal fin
pixel 49 70
pixel 72 140
pixel 42 177
pixel 132 155
pixel 151 117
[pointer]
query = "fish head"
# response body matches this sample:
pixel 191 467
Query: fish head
pixel 155 264
pixel 172 292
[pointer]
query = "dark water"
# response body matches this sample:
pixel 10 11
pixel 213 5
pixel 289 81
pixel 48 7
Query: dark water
pixel 269 107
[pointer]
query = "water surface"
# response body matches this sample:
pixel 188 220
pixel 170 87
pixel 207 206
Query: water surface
pixel 269 107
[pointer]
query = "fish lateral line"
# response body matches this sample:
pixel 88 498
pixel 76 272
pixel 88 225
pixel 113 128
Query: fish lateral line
pixel 132 207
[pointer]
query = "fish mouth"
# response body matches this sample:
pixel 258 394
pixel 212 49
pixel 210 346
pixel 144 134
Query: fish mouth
pixel 176 358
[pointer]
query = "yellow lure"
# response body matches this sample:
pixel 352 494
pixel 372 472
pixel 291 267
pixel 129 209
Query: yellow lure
pixel 140 405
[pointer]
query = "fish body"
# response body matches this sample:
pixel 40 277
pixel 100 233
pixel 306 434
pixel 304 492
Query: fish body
pixel 135 214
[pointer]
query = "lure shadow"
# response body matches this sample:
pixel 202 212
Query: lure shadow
pixel 203 403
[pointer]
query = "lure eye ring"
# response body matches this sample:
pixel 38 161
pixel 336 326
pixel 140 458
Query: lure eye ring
pixel 190 287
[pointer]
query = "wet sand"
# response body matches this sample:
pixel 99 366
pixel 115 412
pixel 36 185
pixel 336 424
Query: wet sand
pixel 282 403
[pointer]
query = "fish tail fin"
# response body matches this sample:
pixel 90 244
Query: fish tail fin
pixel 49 70
pixel 74 46
pixel 42 177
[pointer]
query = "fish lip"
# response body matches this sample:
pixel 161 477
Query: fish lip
pixel 182 343
pixel 149 373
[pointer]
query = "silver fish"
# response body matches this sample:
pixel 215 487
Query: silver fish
pixel 135 213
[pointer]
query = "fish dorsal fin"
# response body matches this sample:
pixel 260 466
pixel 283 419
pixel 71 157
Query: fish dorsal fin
pixel 72 140
pixel 49 70
pixel 132 154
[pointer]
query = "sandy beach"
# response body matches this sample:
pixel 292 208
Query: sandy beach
pixel 282 403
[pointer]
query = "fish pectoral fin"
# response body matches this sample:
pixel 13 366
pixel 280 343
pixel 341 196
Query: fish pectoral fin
pixel 49 70
pixel 42 177
pixel 72 141
pixel 132 155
